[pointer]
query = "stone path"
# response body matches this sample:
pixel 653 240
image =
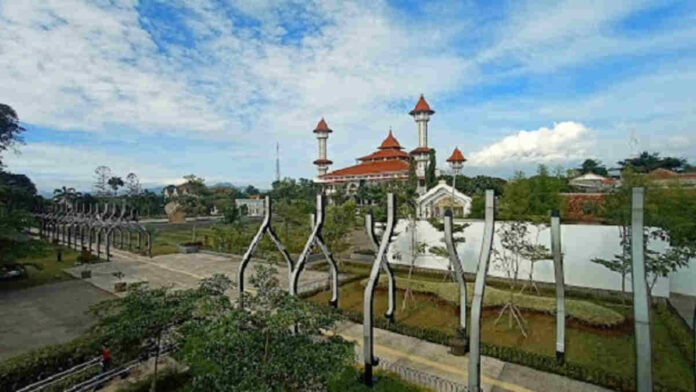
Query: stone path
pixel 47 314
pixel 431 358
pixel 182 271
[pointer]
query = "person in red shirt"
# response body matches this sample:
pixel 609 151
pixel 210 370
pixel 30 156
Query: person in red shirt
pixel 106 359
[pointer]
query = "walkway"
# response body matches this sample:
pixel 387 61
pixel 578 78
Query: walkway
pixel 182 271
pixel 48 314
pixel 497 376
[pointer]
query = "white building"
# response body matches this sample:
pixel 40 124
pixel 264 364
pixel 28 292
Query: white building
pixel 441 198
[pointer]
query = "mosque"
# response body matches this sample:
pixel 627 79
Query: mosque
pixel 390 162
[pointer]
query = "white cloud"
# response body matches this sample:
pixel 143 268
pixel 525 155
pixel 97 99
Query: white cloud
pixel 566 141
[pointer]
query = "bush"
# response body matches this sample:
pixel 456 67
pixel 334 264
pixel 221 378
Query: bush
pixel 368 252
pixel 350 381
pixel 30 367
pixel 593 375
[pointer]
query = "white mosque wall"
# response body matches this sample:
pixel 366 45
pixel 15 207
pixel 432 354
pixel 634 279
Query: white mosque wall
pixel 579 243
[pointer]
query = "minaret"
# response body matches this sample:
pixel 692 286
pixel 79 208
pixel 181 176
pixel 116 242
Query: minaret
pixel 322 130
pixel 421 113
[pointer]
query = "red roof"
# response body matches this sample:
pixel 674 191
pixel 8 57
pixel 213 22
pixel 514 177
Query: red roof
pixel 322 162
pixel 382 154
pixel 456 156
pixel 421 150
pixel 322 127
pixel 392 165
pixel 390 142
pixel 421 106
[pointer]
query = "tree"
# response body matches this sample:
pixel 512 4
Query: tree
pixel 65 194
pixel 274 343
pixel 593 166
pixel 133 187
pixel 516 248
pixel 115 183
pixel 145 317
pixel 102 175
pixel 668 216
pixel 10 129
pixel 647 162
pixel 430 177
pixel 251 190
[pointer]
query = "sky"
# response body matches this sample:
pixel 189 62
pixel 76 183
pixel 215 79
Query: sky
pixel 168 88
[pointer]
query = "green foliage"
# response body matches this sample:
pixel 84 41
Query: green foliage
pixel 647 162
pixel 347 381
pixel 585 312
pixel 668 217
pixel 169 380
pixel 37 364
pixel 339 222
pixel 10 129
pixel 604 376
pixel 593 166
pixel 430 177
pixel 477 185
pixel 255 349
pixel 532 198
pixel 289 189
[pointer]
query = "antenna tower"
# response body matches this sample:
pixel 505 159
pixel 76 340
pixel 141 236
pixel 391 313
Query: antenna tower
pixel 277 161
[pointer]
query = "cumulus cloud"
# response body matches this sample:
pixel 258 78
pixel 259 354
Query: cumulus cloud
pixel 566 141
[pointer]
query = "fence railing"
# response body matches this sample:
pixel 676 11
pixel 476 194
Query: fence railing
pixel 439 384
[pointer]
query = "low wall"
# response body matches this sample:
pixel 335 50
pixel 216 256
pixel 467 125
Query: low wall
pixel 579 243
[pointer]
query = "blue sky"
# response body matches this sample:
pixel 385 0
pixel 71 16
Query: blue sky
pixel 168 88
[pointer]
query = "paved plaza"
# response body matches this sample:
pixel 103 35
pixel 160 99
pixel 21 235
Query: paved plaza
pixel 43 315
pixel 183 271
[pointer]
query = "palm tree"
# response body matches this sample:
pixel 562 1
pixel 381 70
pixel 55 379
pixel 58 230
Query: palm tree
pixel 65 194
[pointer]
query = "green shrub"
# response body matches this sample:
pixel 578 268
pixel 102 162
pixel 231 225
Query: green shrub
pixel 32 366
pixel 350 381
pixel 583 311
pixel 593 375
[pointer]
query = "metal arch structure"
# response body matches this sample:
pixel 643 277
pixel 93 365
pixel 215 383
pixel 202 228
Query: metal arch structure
pixel 641 296
pixel 560 284
pixel 263 229
pixel 458 271
pixel 315 238
pixel 70 223
pixel 391 293
pixel 368 305
pixel 479 289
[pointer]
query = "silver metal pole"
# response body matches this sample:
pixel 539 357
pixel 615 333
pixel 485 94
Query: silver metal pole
pixel 368 308
pixel 641 305
pixel 391 293
pixel 479 288
pixel 560 284
pixel 459 272
pixel 252 247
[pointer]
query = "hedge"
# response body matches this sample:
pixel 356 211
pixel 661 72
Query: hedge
pixel 593 375
pixel 35 365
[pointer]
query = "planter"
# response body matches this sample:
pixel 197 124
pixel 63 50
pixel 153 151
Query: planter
pixel 120 287
pixel 184 248
pixel 86 274
pixel 459 346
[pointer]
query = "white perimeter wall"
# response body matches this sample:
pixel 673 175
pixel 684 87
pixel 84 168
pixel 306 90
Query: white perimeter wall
pixel 579 243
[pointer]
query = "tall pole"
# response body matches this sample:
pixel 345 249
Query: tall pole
pixel 479 288
pixel 641 304
pixel 560 284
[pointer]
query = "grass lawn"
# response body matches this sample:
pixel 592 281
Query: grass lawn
pixel 52 270
pixel 166 241
pixel 608 348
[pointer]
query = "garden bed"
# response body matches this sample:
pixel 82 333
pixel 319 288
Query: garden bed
pixel 603 356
